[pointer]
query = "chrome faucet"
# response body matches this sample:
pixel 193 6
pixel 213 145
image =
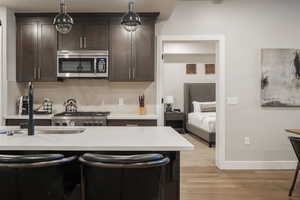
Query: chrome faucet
pixel 31 123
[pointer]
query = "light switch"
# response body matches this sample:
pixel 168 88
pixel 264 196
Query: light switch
pixel 232 100
pixel 247 140
pixel 121 101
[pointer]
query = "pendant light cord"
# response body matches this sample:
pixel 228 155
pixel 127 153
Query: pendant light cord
pixel 62 6
pixel 131 51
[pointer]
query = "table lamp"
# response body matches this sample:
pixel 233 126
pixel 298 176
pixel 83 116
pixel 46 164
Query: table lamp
pixel 169 101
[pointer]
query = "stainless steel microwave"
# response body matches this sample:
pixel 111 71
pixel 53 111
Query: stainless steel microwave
pixel 82 64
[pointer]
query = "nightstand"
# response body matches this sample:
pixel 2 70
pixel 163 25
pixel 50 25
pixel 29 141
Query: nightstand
pixel 176 120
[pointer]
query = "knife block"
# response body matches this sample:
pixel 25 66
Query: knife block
pixel 142 110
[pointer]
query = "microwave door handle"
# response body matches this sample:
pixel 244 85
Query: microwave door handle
pixel 100 67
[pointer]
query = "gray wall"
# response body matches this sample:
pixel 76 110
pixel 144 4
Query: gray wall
pixel 248 27
pixel 173 84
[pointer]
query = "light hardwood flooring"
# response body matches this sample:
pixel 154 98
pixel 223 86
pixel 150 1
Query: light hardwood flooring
pixel 201 180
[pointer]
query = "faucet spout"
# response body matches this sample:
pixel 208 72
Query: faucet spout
pixel 31 123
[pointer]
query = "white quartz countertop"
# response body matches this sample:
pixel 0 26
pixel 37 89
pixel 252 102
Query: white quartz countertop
pixel 99 139
pixel 111 116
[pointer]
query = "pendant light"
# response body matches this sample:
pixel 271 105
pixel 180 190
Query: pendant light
pixel 62 21
pixel 131 20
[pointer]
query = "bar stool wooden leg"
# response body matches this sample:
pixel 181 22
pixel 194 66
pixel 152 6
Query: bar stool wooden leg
pixel 294 180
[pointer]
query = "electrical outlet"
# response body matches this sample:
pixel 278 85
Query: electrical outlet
pixel 247 140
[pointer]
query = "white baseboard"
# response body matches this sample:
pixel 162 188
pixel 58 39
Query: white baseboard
pixel 256 165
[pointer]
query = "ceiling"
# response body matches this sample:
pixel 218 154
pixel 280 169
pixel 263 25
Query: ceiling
pixel 165 7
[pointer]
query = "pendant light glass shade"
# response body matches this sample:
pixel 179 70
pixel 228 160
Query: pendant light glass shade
pixel 63 22
pixel 131 20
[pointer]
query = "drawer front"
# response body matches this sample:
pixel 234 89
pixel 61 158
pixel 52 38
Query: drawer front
pixel 17 122
pixel 132 122
pixel 174 116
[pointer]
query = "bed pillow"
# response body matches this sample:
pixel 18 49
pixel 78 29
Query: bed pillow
pixel 196 106
pixel 208 107
pixel 204 106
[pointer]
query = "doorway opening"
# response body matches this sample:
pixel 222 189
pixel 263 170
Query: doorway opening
pixel 191 85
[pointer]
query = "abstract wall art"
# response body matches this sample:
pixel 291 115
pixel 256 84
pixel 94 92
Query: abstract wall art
pixel 280 81
pixel 191 69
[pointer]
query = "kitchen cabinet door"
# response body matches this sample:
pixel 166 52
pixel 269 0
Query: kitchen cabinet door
pixel 143 67
pixel 120 59
pixel 47 41
pixel 18 122
pixel 137 66
pixel 87 33
pixel 36 49
pixel 27 50
pixel 72 40
pixel 96 36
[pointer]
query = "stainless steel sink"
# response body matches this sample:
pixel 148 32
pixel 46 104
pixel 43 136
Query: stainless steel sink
pixel 59 130
pixel 49 131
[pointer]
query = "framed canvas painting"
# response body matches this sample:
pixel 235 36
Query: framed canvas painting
pixel 280 79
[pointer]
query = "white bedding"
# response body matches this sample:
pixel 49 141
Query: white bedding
pixel 203 120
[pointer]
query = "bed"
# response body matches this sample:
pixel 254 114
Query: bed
pixel 201 124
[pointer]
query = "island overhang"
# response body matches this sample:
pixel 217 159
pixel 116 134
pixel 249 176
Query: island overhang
pixel 104 138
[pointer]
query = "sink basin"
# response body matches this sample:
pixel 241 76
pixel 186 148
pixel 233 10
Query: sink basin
pixel 50 131
pixel 59 130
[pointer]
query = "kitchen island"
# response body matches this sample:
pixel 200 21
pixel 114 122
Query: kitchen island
pixel 114 140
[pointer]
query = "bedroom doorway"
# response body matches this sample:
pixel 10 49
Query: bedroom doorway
pixel 191 71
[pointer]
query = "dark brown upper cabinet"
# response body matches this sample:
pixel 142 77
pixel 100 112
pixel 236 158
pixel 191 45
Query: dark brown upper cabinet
pixel 120 53
pixel 144 63
pixel 36 49
pixel 132 54
pixel 87 33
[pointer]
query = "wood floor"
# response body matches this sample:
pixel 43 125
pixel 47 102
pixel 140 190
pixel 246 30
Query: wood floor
pixel 201 180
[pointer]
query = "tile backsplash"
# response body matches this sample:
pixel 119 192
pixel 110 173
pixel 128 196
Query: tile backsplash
pixel 91 95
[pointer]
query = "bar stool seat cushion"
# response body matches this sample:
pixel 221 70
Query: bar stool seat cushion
pixel 29 158
pixel 122 159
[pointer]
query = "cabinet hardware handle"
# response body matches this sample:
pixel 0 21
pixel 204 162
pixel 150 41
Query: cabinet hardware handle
pixel 133 73
pixel 129 74
pixel 84 42
pixel 39 73
pixel 34 73
pixel 80 42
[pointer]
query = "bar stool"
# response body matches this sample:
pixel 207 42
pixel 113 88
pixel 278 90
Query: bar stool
pixel 122 177
pixel 296 146
pixel 32 177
